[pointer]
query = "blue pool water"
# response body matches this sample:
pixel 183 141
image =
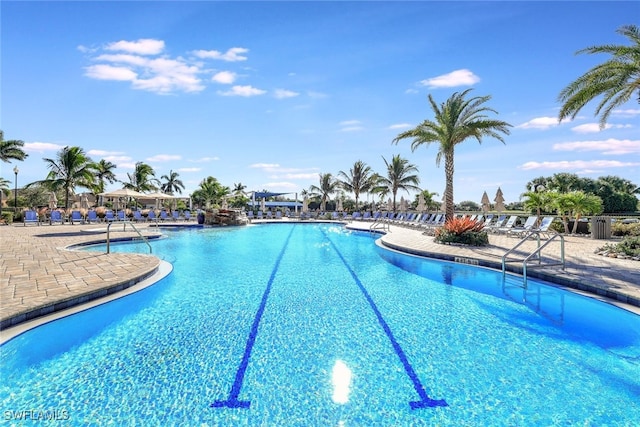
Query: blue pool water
pixel 310 324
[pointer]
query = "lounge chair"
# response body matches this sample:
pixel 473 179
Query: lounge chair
pixel 92 216
pixel 76 216
pixel 278 215
pixel 175 215
pixel 250 215
pixel 507 225
pixel 56 216
pixel 137 216
pixel 122 216
pixel 151 216
pixel 163 215
pixel 30 217
pixel 525 228
pixel 187 215
pixel 269 215
pixel 108 216
pixel 259 215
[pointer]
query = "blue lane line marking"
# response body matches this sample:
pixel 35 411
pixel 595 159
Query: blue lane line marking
pixel 425 400
pixel 232 401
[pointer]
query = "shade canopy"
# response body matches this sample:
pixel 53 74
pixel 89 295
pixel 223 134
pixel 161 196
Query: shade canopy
pixel 266 194
pixel 123 192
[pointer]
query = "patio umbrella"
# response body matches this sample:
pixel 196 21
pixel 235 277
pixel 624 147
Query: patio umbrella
pixel 157 197
pixel 339 207
pixel 389 204
pixel 263 206
pixel 499 199
pixel 53 201
pixel 421 203
pixel 123 192
pixel 84 201
pixel 116 203
pixel 305 204
pixel 485 202
pixel 403 204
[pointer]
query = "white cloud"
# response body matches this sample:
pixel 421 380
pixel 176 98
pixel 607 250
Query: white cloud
pixel 245 91
pixel 565 165
pixel 283 93
pixel 609 146
pixel 189 169
pixel 161 75
pixel 626 113
pixel 264 166
pixel 595 127
pixel 455 78
pixel 109 72
pixel 539 123
pixel 140 46
pixel 164 158
pixel 41 147
pixel 350 122
pixel 400 126
pixel 310 175
pixel 232 55
pixel 131 165
pixel 351 129
pixel 224 77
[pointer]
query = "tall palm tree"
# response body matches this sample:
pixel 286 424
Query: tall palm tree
pixel 615 80
pixel 171 183
pixel 358 180
pixel 142 179
pixel 456 120
pixel 11 149
pixel 238 189
pixel 327 187
pixel 537 201
pixel 70 169
pixel 400 176
pixel 210 192
pixel 104 173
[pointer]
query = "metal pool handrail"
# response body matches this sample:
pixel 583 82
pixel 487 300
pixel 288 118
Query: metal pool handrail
pixel 535 253
pixel 124 227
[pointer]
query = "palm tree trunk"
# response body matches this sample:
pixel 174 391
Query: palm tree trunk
pixel 448 191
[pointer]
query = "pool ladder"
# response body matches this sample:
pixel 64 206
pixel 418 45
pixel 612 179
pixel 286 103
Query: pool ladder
pixel 124 227
pixel 535 255
pixel 379 224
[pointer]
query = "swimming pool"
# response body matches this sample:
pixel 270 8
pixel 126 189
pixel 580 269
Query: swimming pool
pixel 310 324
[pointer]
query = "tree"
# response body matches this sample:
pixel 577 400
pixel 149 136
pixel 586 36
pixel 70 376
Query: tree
pixel 70 169
pixel 104 173
pixel 615 80
pixel 538 184
pixel 537 201
pixel 328 186
pixel 142 179
pixel 401 175
pixel 238 189
pixel 171 183
pixel 210 192
pixel 456 120
pixel 358 180
pixel 429 202
pixel 576 204
pixel 11 149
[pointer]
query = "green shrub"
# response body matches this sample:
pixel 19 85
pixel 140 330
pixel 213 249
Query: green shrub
pixel 621 229
pixel 6 218
pixel 630 246
pixel 474 238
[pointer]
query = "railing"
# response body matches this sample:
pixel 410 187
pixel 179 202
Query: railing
pixel 124 227
pixel 535 254
pixel 379 224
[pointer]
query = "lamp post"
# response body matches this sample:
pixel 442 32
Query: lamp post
pixel 15 191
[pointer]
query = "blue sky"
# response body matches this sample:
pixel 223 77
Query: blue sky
pixel 271 94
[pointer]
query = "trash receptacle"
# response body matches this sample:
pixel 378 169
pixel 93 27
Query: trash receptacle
pixel 601 227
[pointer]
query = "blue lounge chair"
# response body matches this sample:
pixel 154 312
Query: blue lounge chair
pixel 175 215
pixel 151 216
pixel 30 217
pixel 108 216
pixel 187 215
pixel 137 216
pixel 250 215
pixel 163 215
pixel 92 216
pixel 56 216
pixel 121 216
pixel 76 216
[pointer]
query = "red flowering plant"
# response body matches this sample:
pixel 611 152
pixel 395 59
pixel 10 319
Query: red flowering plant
pixel 464 231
